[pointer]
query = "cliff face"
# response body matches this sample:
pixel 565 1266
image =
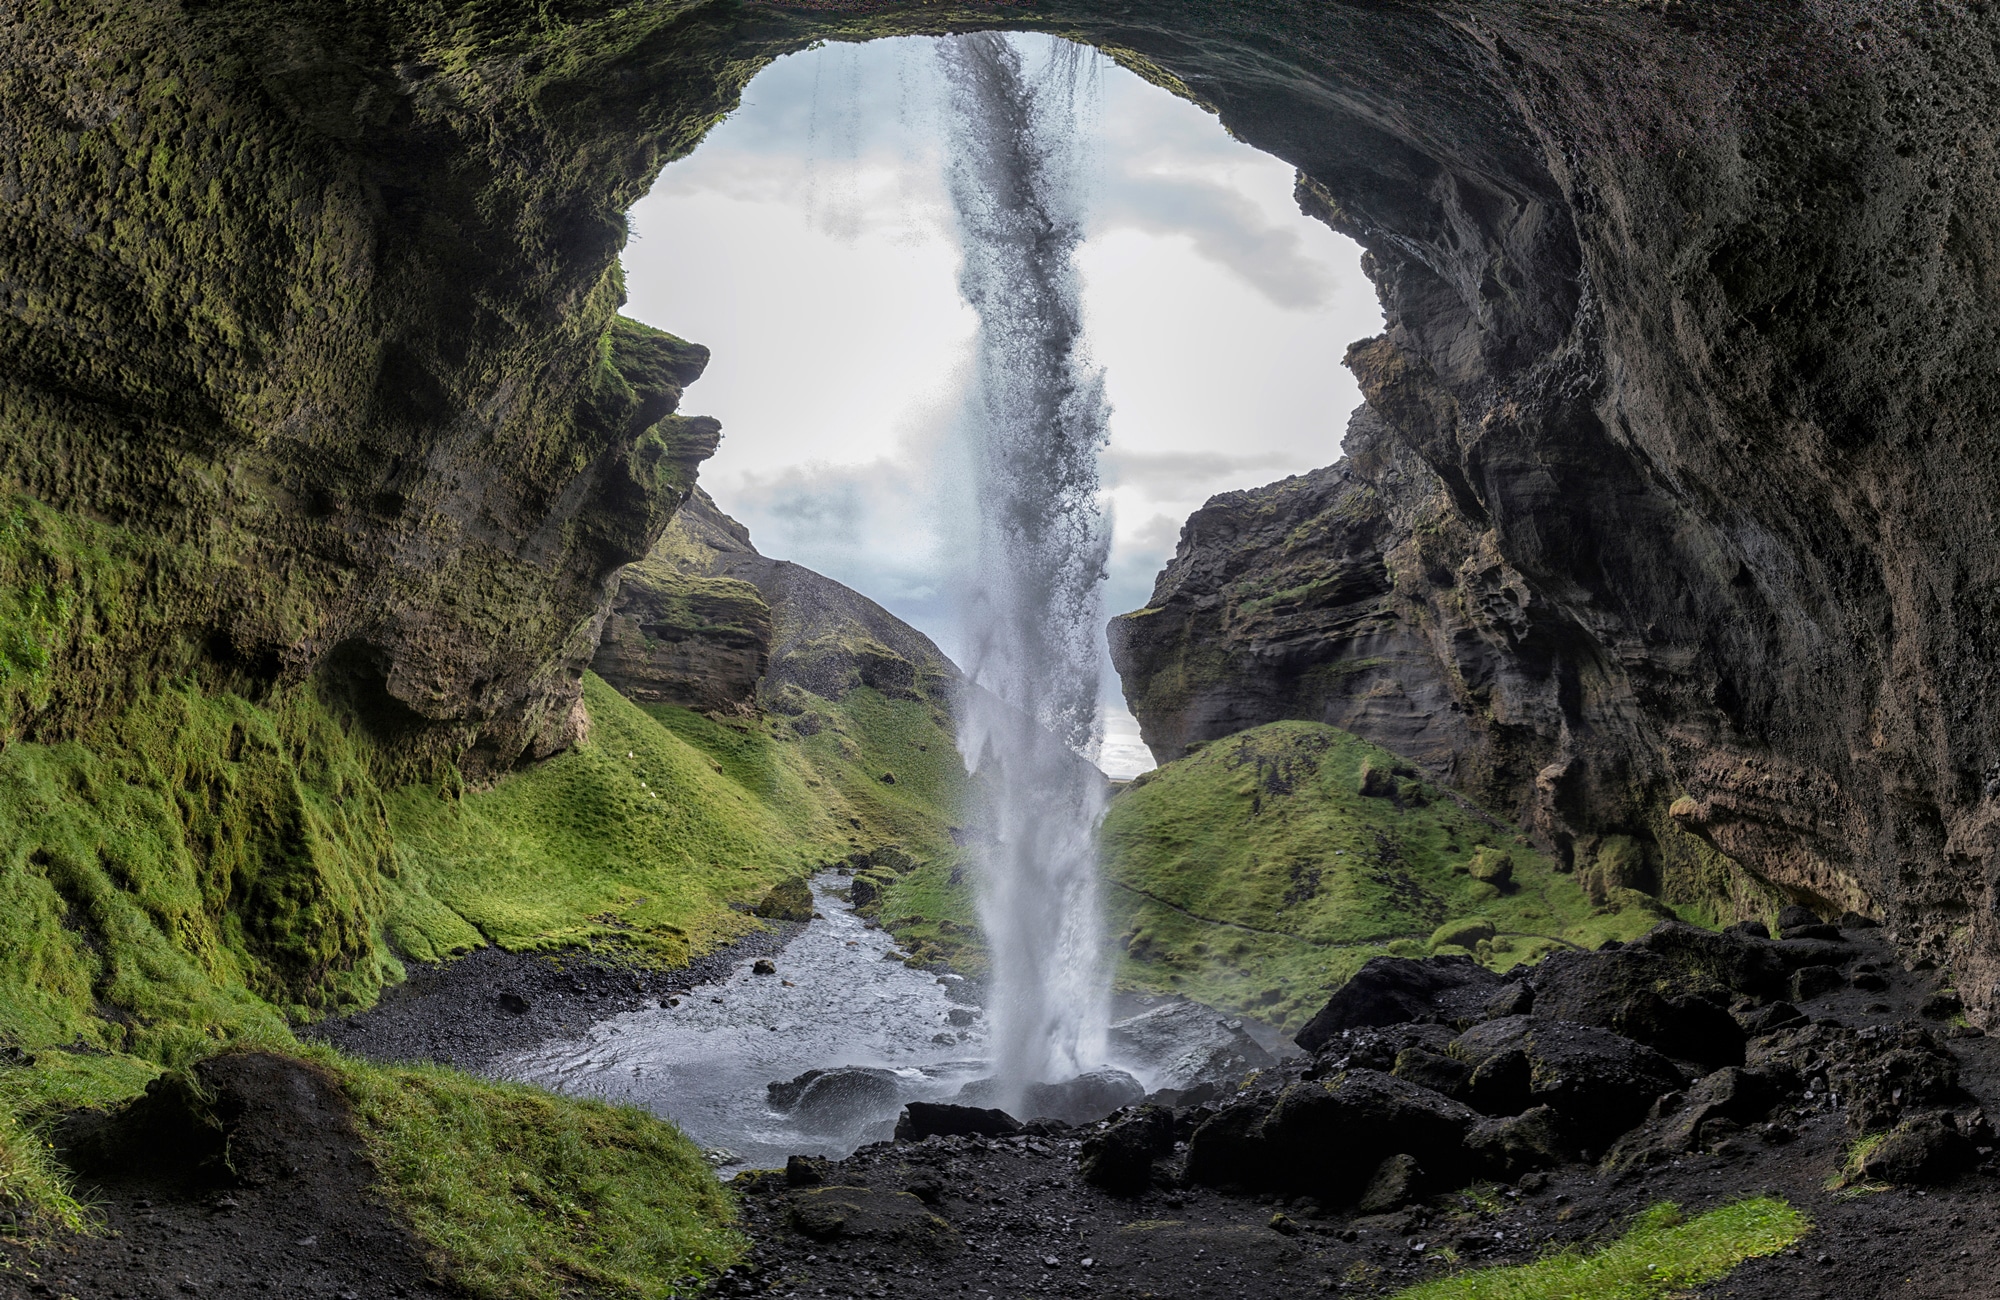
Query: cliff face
pixel 707 623
pixel 311 369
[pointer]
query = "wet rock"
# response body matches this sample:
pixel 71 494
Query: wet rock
pixel 788 900
pixel 1326 1137
pixel 863 892
pixel 1120 1158
pixel 836 1098
pixel 961 1016
pixel 764 966
pixel 922 1119
pixel 862 1214
pixel 1089 1096
pixel 1809 982
pixel 1924 1149
pixel 1391 990
pixel 1397 1181
pixel 1599 1082
pixel 1514 1145
pixel 806 1171
pixel 1183 1044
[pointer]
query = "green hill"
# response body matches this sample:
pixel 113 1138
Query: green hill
pixel 1263 870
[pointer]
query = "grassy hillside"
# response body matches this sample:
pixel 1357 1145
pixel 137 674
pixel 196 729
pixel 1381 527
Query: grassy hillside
pixel 1257 874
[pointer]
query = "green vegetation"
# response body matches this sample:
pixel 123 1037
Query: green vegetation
pixel 1257 874
pixel 1662 1254
pixel 524 1195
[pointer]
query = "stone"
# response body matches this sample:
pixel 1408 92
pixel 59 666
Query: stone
pixel 1768 1020
pixel 1513 1145
pixel 788 900
pixel 1809 982
pixel 1621 991
pixel 922 1119
pixel 1120 1158
pixel 1749 930
pixel 1942 1005
pixel 1599 1082
pixel 1397 1181
pixel 1391 990
pixel 863 1214
pixel 961 1016
pixel 1716 1108
pixel 515 1003
pixel 1491 866
pixel 1183 1044
pixel 1089 1096
pixel 1326 1137
pixel 1515 999
pixel 1462 933
pixel 806 1171
pixel 763 966
pixel 1923 1150
pixel 1433 1070
pixel 833 1099
pixel 863 892
pixel 1792 915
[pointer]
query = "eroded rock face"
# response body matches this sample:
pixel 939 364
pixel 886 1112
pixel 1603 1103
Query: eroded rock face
pixel 1671 518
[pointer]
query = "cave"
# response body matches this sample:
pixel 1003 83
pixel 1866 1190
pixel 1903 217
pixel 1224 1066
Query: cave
pixel 1666 526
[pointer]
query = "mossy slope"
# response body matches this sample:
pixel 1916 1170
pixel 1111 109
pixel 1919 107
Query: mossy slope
pixel 1256 874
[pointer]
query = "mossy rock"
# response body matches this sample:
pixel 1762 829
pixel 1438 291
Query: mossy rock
pixel 1377 782
pixel 1491 866
pixel 788 900
pixel 1464 933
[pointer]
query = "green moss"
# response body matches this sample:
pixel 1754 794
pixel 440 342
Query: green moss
pixel 523 1195
pixel 1662 1254
pixel 1257 875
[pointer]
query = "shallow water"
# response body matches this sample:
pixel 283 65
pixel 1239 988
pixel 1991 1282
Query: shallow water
pixel 704 1064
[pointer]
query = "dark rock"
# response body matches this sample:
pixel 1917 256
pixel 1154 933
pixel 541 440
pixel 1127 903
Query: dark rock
pixel 1397 1181
pixel 1767 1020
pixel 806 1171
pixel 961 1016
pixel 764 966
pixel 1809 982
pixel 863 892
pixel 922 1119
pixel 1870 981
pixel 1880 1074
pixel 515 1003
pixel 830 1099
pixel 1120 1158
pixel 1792 916
pixel 1326 1137
pixel 1942 1005
pixel 1600 1083
pixel 1502 1084
pixel 1923 1149
pixel 1516 1144
pixel 1515 999
pixel 1389 990
pixel 1714 1109
pixel 1433 1070
pixel 1090 1096
pixel 1377 1049
pixel 1621 991
pixel 1821 932
pixel 1749 930
pixel 1856 921
pixel 1183 1044
pixel 861 1214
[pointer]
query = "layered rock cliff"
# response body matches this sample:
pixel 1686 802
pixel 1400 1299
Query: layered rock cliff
pixel 311 371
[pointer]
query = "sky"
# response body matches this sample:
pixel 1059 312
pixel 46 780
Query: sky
pixel 810 244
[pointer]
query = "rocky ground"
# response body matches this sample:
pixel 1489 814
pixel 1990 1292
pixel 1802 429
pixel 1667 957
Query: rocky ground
pixel 1243 1199
pixel 1446 1117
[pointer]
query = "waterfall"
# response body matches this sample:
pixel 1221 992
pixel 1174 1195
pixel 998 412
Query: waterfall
pixel 1036 417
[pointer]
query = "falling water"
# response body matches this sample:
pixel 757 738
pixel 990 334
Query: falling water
pixel 1036 416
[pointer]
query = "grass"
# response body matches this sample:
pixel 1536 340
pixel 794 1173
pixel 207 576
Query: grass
pixel 1255 874
pixel 1662 1254
pixel 525 1195
pixel 649 835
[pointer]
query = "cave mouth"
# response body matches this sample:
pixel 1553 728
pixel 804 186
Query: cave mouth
pixel 809 243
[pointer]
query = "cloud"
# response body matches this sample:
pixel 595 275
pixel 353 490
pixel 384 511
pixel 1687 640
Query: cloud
pixel 1226 229
pixel 1174 475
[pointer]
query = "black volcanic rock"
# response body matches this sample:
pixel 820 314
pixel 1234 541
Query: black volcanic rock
pixel 1391 990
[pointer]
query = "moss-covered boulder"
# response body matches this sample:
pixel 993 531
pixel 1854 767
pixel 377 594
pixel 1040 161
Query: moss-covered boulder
pixel 788 900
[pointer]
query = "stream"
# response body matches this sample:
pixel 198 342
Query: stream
pixel 838 999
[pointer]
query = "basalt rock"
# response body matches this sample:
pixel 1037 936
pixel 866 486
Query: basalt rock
pixel 1600 1083
pixel 1391 990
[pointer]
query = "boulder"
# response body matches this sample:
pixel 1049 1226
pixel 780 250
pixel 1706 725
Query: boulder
pixel 1795 922
pixel 788 900
pixel 863 892
pixel 1599 1082
pixel 1466 932
pixel 1120 1158
pixel 1491 866
pixel 1396 1182
pixel 1183 1044
pixel 1769 1020
pixel 1718 1106
pixel 1513 1145
pixel 922 1119
pixel 1088 1097
pixel 1645 996
pixel 1809 982
pixel 1326 1137
pixel 1392 990
pixel 833 1099
pixel 862 1214
pixel 1433 1070
pixel 1923 1149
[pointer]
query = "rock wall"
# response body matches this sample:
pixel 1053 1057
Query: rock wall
pixel 311 367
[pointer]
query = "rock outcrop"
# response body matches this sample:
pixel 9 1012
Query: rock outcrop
pixel 311 368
